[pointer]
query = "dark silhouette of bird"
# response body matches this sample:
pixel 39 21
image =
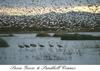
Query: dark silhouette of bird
pixel 27 46
pixel 78 52
pixel 20 46
pixel 59 45
pixel 66 7
pixel 51 45
pixel 90 5
pixel 69 52
pixel 33 45
pixel 41 45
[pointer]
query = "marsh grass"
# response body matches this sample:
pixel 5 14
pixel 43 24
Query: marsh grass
pixel 3 43
pixel 76 37
pixel 42 34
pixel 79 37
pixel 7 35
pixel 58 35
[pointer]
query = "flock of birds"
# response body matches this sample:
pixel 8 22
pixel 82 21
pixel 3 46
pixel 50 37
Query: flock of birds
pixel 35 45
pixel 60 48
pixel 9 21
pixel 42 45
pixel 46 55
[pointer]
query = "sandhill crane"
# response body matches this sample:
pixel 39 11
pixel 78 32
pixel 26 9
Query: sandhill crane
pixel 78 52
pixel 27 46
pixel 41 45
pixel 33 45
pixel 51 45
pixel 69 52
pixel 59 45
pixel 20 46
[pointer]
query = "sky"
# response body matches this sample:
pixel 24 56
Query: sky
pixel 46 3
pixel 25 7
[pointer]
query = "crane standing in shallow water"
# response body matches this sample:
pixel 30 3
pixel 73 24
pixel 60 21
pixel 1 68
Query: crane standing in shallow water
pixel 27 46
pixel 50 45
pixel 33 45
pixel 20 46
pixel 40 45
pixel 59 45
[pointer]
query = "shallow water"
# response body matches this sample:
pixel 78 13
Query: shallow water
pixel 49 50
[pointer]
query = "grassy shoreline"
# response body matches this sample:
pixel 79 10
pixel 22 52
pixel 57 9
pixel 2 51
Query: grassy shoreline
pixel 79 37
pixel 3 43
pixel 23 32
pixel 63 35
